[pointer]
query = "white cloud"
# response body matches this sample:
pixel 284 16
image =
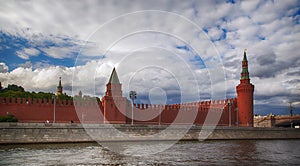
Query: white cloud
pixel 27 64
pixel 249 6
pixel 31 51
pixel 167 70
pixel 60 52
pixel 27 52
pixel 3 67
pixel 215 33
pixel 22 55
pixel 36 80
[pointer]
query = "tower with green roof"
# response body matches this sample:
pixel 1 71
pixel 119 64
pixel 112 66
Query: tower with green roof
pixel 245 92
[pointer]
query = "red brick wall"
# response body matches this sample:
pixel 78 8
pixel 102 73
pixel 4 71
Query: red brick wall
pixel 93 112
pixel 188 113
pixel 40 111
pixel 114 109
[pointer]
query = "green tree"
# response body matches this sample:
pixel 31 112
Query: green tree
pixel 15 91
pixel 8 118
pixel 14 87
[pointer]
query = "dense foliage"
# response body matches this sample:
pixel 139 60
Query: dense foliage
pixel 8 118
pixel 14 87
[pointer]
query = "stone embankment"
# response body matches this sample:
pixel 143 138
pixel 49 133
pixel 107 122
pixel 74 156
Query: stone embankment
pixel 60 133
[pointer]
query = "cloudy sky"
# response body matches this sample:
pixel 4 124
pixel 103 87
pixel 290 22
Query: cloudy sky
pixel 167 51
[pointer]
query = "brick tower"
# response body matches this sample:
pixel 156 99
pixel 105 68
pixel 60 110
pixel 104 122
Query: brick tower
pixel 114 105
pixel 245 96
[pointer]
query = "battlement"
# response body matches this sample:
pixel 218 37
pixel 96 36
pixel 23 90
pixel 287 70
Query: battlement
pixel 219 104
pixel 47 102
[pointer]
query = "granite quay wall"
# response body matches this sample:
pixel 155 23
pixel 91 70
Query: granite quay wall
pixel 60 133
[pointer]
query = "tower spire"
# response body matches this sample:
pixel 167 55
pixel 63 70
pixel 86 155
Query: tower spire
pixel 59 88
pixel 59 84
pixel 245 73
pixel 245 56
pixel 114 79
pixel 113 87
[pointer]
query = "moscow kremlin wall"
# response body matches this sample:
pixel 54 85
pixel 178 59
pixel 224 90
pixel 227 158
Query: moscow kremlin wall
pixel 116 109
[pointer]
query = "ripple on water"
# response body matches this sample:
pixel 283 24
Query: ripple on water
pixel 183 153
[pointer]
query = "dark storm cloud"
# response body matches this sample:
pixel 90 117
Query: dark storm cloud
pixel 294 81
pixel 296 73
pixel 271 69
pixel 267 59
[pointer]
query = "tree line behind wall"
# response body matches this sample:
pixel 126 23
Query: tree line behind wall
pixel 19 92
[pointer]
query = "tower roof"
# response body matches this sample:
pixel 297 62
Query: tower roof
pixel 114 79
pixel 245 73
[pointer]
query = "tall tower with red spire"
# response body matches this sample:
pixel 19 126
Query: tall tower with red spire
pixel 114 104
pixel 245 96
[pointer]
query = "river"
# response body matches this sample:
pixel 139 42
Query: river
pixel 235 152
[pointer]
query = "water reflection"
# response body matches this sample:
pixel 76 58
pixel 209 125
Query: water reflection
pixel 138 148
pixel 245 152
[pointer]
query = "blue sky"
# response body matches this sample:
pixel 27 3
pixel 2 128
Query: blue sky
pixel 14 53
pixel 185 48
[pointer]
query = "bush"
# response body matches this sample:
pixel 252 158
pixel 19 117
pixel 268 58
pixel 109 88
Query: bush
pixel 8 118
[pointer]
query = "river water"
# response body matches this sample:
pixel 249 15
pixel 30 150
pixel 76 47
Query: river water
pixel 235 152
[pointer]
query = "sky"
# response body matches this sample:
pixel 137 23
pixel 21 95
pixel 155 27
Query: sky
pixel 168 51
